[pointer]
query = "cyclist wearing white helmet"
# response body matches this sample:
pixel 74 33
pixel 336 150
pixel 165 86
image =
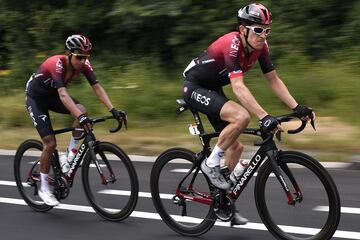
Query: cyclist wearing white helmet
pixel 224 62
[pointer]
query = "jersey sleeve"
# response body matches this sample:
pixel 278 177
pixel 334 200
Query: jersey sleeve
pixel 231 48
pixel 89 73
pixel 265 60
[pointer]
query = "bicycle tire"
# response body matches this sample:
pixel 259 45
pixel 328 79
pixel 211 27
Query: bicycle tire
pixel 206 223
pixel 125 174
pixel 20 176
pixel 313 169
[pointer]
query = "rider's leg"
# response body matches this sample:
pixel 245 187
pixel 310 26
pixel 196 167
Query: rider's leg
pixel 49 145
pixel 238 118
pixel 233 154
pixel 225 116
pixel 38 109
pixel 235 118
pixel 58 106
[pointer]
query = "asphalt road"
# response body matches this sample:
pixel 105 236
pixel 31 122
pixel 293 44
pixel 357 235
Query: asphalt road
pixel 74 219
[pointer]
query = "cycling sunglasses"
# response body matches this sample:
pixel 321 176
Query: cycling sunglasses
pixel 81 56
pixel 259 30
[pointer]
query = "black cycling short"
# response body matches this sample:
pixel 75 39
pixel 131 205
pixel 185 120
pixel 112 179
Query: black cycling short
pixel 38 109
pixel 206 101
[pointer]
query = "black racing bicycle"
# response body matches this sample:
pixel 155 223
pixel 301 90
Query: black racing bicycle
pixel 290 188
pixel 108 175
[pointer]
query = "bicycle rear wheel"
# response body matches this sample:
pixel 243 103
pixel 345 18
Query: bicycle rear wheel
pixel 184 216
pixel 304 220
pixel 114 194
pixel 27 174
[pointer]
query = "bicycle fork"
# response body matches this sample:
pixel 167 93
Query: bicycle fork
pixel 273 156
pixel 104 180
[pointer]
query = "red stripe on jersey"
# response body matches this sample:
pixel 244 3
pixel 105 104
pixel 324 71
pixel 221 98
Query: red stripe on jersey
pixel 235 74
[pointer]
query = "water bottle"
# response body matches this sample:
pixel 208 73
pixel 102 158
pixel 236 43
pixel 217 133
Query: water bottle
pixel 71 155
pixel 66 160
pixel 65 166
pixel 238 170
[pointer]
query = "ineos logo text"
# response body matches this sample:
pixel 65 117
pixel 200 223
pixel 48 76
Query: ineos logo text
pixel 200 98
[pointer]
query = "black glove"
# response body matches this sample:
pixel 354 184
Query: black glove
pixel 301 111
pixel 119 115
pixel 85 122
pixel 115 113
pixel 268 123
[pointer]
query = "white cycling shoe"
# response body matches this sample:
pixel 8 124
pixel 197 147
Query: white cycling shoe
pixel 48 198
pixel 215 176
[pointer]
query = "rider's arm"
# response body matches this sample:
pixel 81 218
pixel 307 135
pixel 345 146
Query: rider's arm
pixel 98 89
pixel 231 47
pixel 279 88
pixel 68 102
pixel 102 95
pixel 246 98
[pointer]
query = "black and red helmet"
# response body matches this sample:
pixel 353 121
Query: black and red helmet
pixel 78 44
pixel 254 13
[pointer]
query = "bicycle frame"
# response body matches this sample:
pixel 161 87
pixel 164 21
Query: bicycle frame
pixel 267 150
pixel 88 144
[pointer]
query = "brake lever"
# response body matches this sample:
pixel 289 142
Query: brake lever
pixel 312 122
pixel 125 124
pixel 124 119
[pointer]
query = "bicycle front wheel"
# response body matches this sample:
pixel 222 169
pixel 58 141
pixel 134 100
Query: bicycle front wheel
pixel 27 174
pixel 182 214
pixel 110 182
pixel 316 213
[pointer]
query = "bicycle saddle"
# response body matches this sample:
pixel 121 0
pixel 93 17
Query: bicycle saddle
pixel 183 106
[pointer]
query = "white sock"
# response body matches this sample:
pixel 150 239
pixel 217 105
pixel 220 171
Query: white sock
pixel 44 182
pixel 72 143
pixel 215 156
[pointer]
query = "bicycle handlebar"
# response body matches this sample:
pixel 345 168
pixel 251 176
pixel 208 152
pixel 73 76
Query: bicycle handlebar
pixel 103 119
pixel 281 119
pixel 94 121
pixel 289 117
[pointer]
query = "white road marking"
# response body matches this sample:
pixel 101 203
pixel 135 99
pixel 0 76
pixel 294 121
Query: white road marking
pixel 8 183
pixel 155 216
pixel 350 210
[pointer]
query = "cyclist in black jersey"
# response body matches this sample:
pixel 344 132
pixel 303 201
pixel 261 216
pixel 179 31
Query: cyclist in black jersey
pixel 46 90
pixel 224 62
